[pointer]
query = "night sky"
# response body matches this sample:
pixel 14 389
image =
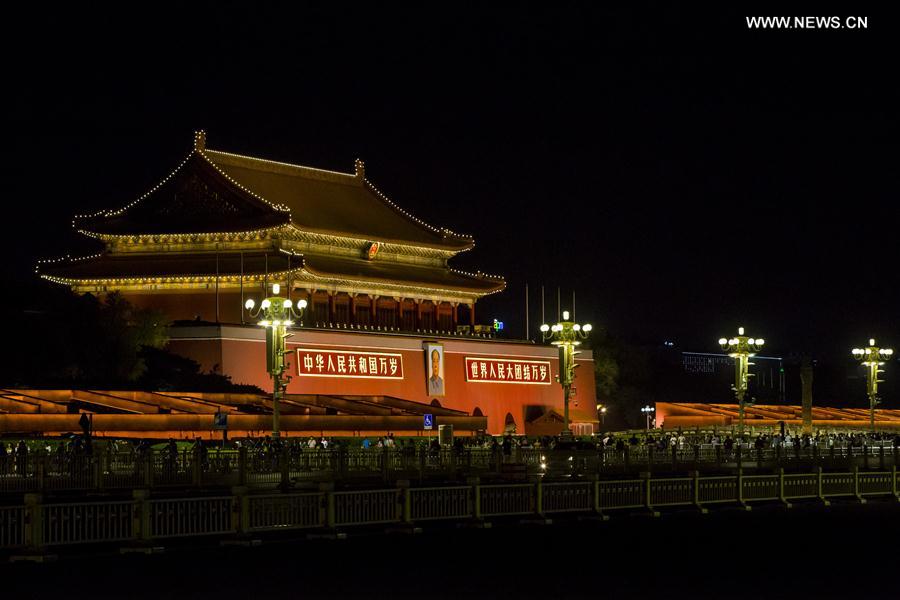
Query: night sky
pixel 682 174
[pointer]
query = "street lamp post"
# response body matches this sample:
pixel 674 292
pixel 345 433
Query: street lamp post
pixel 872 357
pixel 648 410
pixel 277 315
pixel 741 348
pixel 601 410
pixel 566 335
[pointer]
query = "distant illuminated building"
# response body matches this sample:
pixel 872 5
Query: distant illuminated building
pixel 708 374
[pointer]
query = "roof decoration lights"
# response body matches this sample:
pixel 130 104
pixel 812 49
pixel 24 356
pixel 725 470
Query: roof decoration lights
pixel 443 232
pixel 199 145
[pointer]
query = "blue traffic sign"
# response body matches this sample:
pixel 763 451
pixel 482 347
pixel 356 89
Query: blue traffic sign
pixel 220 420
pixel 429 422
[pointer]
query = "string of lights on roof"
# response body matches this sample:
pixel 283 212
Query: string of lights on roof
pixel 196 150
pixel 359 166
pixel 284 231
pixel 287 231
pixel 278 207
pixel 258 277
pixel 67 257
pixel 305 235
pixel 443 232
pixel 199 148
pixel 190 237
pixel 360 172
pixel 279 163
pixel 358 282
pixel 478 275
pixel 192 278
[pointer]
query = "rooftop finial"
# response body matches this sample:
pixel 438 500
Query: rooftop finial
pixel 200 140
pixel 360 168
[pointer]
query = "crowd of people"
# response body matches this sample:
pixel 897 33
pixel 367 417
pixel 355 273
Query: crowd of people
pixel 760 441
pixel 64 453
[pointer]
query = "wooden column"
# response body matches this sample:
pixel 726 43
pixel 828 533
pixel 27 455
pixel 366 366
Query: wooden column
pixel 331 307
pixel 455 306
pixel 472 314
pixel 374 301
pixel 418 314
pixel 353 308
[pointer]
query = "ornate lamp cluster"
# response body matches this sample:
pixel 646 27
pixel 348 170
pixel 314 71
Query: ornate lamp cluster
pixel 741 348
pixel 872 357
pixel 565 335
pixel 277 315
pixel 648 410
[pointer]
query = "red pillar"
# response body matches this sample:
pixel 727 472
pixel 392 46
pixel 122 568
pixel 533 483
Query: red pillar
pixel 330 307
pixel 472 314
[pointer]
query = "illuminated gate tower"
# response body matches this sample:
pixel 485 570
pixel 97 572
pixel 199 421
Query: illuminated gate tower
pixel 222 228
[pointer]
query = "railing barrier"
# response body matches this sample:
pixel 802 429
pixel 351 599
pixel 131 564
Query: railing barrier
pixel 36 525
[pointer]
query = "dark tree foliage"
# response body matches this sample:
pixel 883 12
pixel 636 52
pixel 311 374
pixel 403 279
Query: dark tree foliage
pixel 171 372
pixel 60 339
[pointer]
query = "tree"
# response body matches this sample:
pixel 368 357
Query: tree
pixel 168 372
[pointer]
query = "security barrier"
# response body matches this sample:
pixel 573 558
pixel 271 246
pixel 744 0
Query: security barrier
pixel 671 492
pixel 191 517
pixel 515 499
pixel 838 484
pixel 285 511
pixel 369 507
pixel 12 526
pixel 760 487
pixel 621 494
pixel 874 484
pixel 36 525
pixel 81 523
pixel 714 490
pixel 268 469
pixel 801 486
pixel 440 503
pixel 567 497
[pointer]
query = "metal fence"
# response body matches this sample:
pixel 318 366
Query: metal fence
pixel 86 522
pixel 184 517
pixel 36 525
pixel 426 504
pixel 287 468
pixel 12 526
pixel 369 507
pixel 273 512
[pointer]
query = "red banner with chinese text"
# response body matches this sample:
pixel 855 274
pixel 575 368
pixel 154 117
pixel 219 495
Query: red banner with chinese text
pixel 503 370
pixel 313 362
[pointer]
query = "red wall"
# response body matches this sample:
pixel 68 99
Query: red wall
pixel 243 358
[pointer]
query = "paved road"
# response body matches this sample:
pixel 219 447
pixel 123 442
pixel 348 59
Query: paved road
pixel 841 552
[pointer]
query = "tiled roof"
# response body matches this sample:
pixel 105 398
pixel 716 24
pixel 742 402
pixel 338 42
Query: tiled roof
pixel 196 198
pixel 332 202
